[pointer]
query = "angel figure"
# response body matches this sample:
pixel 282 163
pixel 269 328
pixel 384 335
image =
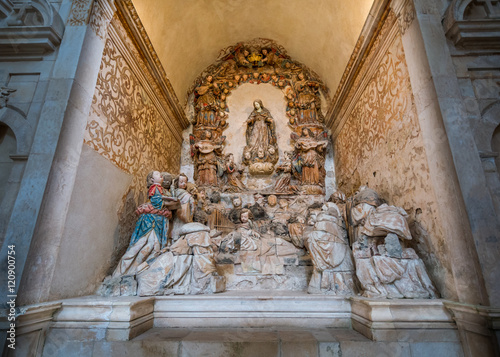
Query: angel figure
pixel 285 175
pixel 233 174
pixel 206 154
pixel 206 102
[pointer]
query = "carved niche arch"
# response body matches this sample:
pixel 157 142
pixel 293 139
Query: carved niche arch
pixel 260 61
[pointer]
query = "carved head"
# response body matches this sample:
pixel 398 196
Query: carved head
pixel 272 200
pixel 230 158
pixel 271 150
pixel 257 104
pixel 167 180
pixel 245 215
pixel 260 153
pixel 307 132
pixel 182 181
pixel 154 177
pixel 236 202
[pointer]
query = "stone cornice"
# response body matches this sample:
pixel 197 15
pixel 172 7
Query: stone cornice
pixel 130 19
pixel 377 34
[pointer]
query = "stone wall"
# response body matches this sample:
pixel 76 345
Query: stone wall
pixel 380 145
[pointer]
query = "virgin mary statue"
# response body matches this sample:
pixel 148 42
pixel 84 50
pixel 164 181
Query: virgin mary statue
pixel 261 151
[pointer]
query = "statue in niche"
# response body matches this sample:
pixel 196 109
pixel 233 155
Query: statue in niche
pixel 329 248
pixel 233 175
pixel 150 234
pixel 309 160
pixel 206 154
pixel 284 169
pixel 385 267
pixel 308 101
pixel 206 102
pixel 261 151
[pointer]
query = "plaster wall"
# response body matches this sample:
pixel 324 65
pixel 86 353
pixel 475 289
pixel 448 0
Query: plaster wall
pixel 381 146
pixel 321 34
pixel 93 235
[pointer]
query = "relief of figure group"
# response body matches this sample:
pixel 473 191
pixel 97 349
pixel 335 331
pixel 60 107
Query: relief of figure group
pixel 187 243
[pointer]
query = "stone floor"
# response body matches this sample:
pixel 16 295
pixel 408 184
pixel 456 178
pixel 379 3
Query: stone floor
pixel 260 342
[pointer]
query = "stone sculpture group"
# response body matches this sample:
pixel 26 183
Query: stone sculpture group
pixel 217 233
pixel 351 246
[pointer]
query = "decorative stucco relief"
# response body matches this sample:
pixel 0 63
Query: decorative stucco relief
pixel 124 124
pixel 381 146
pixel 79 13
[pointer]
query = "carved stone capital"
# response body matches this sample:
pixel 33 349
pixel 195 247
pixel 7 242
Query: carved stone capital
pixel 100 17
pixel 405 13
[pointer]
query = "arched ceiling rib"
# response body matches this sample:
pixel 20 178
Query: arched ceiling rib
pixel 188 35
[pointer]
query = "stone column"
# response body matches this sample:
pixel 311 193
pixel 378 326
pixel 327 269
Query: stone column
pixel 455 168
pixel 56 150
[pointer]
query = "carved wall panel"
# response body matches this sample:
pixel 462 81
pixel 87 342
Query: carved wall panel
pixel 381 146
pixel 125 126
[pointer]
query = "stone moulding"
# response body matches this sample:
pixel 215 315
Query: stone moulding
pixel 469 28
pixel 29 29
pixel 94 318
pixel 121 318
pixel 130 19
pixel 375 36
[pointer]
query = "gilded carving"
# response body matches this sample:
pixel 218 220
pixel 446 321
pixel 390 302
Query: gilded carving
pixel 258 61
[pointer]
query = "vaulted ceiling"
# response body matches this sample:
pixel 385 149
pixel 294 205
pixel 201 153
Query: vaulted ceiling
pixel 188 35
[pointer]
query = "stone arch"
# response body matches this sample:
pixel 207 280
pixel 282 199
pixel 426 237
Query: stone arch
pixel 490 120
pixel 260 61
pixel 487 136
pixel 20 126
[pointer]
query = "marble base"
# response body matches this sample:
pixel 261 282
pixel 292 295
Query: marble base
pixel 424 327
pixel 31 327
pixel 110 318
pixel 395 320
pixel 253 309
